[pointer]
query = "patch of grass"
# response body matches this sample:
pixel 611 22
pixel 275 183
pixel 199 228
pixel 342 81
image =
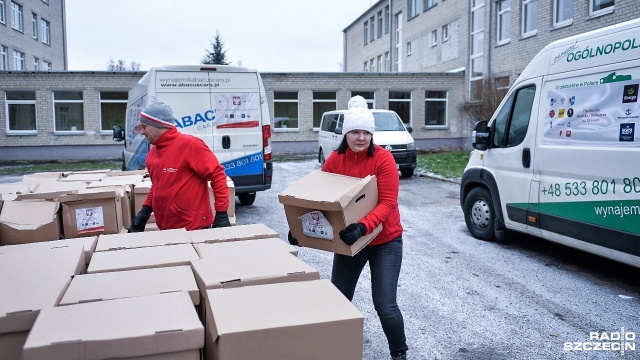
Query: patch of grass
pixel 28 167
pixel 449 164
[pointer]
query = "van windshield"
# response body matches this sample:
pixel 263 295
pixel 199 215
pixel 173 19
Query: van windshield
pixel 388 122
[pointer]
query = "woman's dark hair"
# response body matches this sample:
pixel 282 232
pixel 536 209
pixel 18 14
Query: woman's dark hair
pixel 342 148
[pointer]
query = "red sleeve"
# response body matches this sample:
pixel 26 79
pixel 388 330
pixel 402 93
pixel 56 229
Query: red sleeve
pixel 388 187
pixel 207 166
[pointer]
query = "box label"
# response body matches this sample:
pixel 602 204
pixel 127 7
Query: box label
pixel 89 220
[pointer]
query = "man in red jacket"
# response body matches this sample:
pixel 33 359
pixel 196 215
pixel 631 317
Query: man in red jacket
pixel 180 167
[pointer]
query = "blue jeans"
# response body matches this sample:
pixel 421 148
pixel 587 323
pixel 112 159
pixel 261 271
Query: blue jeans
pixel 384 262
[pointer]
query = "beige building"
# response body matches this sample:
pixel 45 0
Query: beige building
pixel 32 35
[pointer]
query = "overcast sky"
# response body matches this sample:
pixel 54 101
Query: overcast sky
pixel 268 35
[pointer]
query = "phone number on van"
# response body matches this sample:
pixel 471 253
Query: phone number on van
pixel 597 187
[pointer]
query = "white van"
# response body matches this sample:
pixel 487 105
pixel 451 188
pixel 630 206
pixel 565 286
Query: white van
pixel 390 133
pixel 559 158
pixel 225 106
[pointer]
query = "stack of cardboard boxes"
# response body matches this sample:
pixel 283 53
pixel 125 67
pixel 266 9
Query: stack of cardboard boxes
pixel 227 293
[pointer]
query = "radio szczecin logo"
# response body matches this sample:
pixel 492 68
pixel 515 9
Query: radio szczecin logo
pixel 619 341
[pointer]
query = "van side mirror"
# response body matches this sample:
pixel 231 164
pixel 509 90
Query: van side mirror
pixel 118 133
pixel 338 131
pixel 409 129
pixel 481 135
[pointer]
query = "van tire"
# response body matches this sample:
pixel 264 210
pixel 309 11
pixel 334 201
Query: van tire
pixel 479 214
pixel 321 158
pixel 247 199
pixel 407 173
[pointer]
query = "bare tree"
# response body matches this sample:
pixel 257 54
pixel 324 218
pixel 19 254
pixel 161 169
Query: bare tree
pixel 121 66
pixel 218 55
pixel 492 95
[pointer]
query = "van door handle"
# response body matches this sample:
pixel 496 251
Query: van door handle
pixel 526 157
pixel 226 142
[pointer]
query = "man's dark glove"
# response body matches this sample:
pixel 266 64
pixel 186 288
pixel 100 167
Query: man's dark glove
pixel 352 233
pixel 141 218
pixel 221 220
pixel 292 240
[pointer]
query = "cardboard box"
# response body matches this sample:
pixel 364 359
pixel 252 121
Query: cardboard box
pixel 245 270
pixel 245 247
pixel 52 190
pixel 234 233
pixel 141 191
pixel 127 198
pixel 92 212
pixel 85 177
pixel 294 320
pixel 131 283
pixel 142 258
pixel 120 328
pixel 87 243
pixel 142 239
pixel 17 188
pixel 343 200
pixel 232 198
pixel 18 266
pixel 142 173
pixel 20 304
pixel 43 176
pixel 29 221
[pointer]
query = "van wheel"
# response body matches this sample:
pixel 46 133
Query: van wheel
pixel 406 173
pixel 321 158
pixel 247 199
pixel 479 214
pixel 124 166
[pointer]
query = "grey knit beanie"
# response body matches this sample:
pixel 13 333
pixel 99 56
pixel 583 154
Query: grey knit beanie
pixel 158 114
pixel 358 117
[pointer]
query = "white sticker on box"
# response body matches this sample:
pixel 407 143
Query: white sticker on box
pixel 314 224
pixel 89 220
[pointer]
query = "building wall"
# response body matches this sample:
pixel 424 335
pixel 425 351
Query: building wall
pixel 55 52
pixel 47 144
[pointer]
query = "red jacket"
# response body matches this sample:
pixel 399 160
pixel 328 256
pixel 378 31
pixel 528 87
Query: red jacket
pixel 383 166
pixel 180 166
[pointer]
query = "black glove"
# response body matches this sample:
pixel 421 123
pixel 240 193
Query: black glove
pixel 292 240
pixel 141 218
pixel 352 233
pixel 221 220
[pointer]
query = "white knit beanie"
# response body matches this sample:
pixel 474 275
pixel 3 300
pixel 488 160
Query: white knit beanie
pixel 358 116
pixel 158 114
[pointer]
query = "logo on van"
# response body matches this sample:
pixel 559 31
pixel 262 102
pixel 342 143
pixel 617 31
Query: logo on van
pixel 630 93
pixel 627 132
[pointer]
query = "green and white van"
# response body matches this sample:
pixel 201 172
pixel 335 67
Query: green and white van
pixel 225 106
pixel 560 158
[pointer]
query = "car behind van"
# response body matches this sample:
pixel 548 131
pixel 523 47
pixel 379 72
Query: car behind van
pixel 559 158
pixel 391 134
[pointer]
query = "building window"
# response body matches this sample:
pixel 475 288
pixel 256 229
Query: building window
pixel 529 17
pixel 367 95
pixel 366 32
pixel 387 62
pixel 45 26
pixel 113 109
pixel 600 7
pixel 2 11
pixel 36 64
pixel 428 4
pixel 387 18
pixel 16 16
pixel 323 101
pixel 285 110
pixel 21 112
pixel 380 23
pixel 398 50
pixel 4 58
pixel 34 26
pixel 366 66
pixel 562 12
pixel 434 38
pixel 380 64
pixel 46 65
pixel 409 48
pixel 400 102
pixel 372 30
pixel 372 65
pixel 477 48
pixel 68 111
pixel 18 61
pixel 504 22
pixel 445 33
pixel 435 108
pixel 413 8
pixel 502 86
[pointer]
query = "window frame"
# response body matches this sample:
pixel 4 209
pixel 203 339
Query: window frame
pixel 445 33
pixel 412 9
pixel 387 19
pixel 4 57
pixel 319 100
pixel 432 100
pixel 112 101
pixel 36 63
pixel 34 26
pixel 366 32
pixel 380 23
pixel 17 16
pixel 526 9
pixel 478 6
pixel 47 66
pixel 45 28
pixel 428 4
pixel 3 18
pixel 556 10
pixel 372 29
pixel 434 38
pixel 371 101
pixel 398 102
pixel 57 102
pixel 602 11
pixel 19 60
pixel 32 103
pixel 283 100
pixel 503 17
pixel 409 48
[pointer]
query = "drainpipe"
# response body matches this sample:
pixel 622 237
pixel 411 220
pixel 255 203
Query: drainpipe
pixel 391 37
pixel 488 34
pixel 64 36
pixel 344 51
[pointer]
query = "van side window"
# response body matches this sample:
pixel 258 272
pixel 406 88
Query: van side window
pixel 329 122
pixel 511 123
